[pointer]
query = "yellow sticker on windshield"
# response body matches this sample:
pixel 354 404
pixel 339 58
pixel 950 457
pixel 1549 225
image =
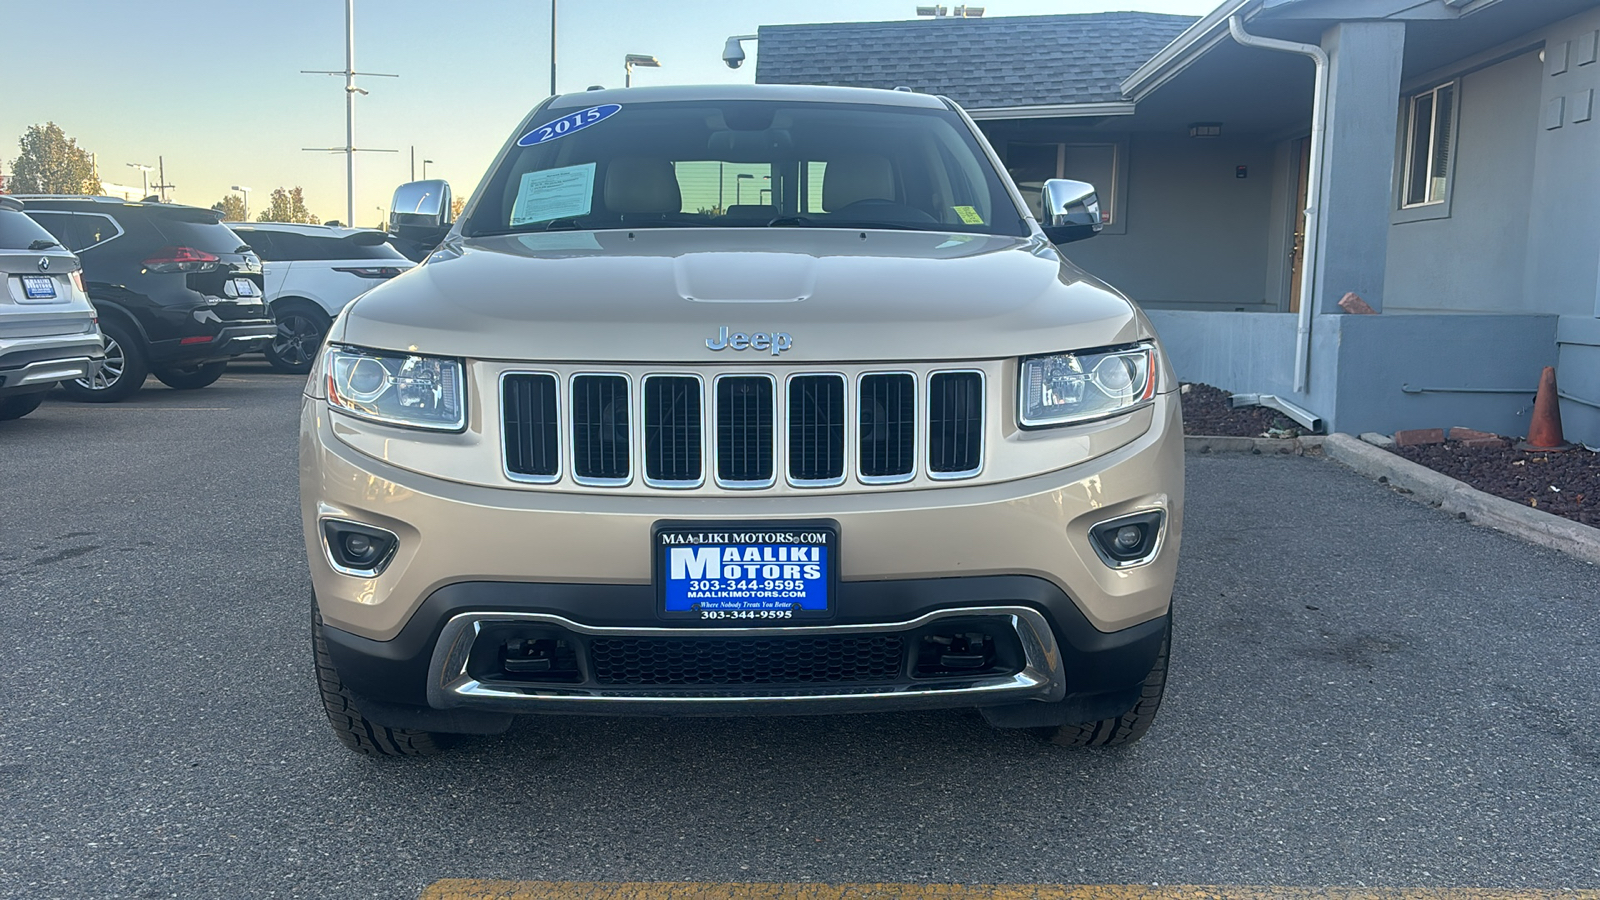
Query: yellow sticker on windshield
pixel 968 215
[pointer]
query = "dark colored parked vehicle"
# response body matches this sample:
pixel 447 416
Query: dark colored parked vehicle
pixel 178 293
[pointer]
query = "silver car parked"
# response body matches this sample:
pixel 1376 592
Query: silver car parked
pixel 48 329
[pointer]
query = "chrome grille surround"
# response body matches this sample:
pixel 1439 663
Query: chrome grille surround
pixel 789 423
pixel 717 449
pixel 642 377
pixel 928 418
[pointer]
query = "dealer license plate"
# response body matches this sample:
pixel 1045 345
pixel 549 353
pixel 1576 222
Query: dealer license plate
pixel 39 287
pixel 745 574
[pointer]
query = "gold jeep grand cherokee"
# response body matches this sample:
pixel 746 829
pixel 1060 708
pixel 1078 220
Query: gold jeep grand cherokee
pixel 742 400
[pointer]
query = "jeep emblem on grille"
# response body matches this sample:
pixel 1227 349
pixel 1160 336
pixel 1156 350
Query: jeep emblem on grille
pixel 774 342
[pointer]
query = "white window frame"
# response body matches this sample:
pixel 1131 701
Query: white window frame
pixel 1408 147
pixel 1110 194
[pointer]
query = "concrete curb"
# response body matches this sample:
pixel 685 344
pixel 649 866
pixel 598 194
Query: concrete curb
pixel 1207 443
pixel 1452 496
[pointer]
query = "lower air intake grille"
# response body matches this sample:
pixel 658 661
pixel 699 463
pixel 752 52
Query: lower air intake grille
pixel 600 428
pixel 816 428
pixel 718 661
pixel 672 430
pixel 955 423
pixel 888 426
pixel 744 430
pixel 532 431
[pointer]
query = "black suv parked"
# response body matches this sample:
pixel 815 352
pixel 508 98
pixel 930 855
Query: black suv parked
pixel 178 293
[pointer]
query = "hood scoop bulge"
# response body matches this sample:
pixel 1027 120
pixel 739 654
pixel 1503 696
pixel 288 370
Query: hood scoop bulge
pixel 745 277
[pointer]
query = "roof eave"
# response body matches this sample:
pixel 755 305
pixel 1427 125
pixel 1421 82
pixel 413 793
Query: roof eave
pixel 1184 49
pixel 1053 111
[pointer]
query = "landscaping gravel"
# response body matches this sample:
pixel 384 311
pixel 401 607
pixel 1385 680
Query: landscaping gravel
pixel 1206 411
pixel 1565 484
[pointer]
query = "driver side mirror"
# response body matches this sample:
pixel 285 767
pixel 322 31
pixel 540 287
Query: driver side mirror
pixel 1071 211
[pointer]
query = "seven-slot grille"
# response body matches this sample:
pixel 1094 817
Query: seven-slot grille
pixel 736 425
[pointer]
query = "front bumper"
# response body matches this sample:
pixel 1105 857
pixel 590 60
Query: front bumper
pixel 1013 555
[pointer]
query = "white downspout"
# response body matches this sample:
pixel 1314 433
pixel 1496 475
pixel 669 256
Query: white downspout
pixel 1319 121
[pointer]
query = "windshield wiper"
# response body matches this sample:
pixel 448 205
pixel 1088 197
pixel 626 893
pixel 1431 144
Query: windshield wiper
pixel 808 222
pixel 42 244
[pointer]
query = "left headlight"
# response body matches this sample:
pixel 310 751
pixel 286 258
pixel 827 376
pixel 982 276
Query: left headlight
pixel 1068 388
pixel 396 388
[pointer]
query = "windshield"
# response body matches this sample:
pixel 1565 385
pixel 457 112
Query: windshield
pixel 746 164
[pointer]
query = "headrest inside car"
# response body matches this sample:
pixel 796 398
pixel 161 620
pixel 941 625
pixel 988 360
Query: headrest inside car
pixel 850 179
pixel 641 185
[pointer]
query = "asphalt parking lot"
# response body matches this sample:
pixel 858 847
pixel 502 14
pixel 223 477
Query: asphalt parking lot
pixel 1365 692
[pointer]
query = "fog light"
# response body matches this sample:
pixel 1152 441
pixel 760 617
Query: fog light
pixel 1129 540
pixel 356 549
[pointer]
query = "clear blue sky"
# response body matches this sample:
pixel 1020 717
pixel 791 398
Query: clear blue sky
pixel 213 85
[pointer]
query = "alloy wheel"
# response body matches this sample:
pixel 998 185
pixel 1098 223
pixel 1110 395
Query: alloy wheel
pixel 110 369
pixel 297 339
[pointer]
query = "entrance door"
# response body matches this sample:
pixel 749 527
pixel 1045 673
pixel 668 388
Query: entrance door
pixel 1297 240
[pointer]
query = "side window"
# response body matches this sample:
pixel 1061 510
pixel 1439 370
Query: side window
pixel 1429 128
pixel 261 243
pixel 93 228
pixel 61 227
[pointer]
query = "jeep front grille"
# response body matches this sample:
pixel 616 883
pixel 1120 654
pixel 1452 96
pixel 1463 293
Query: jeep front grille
pixel 742 431
pixel 600 429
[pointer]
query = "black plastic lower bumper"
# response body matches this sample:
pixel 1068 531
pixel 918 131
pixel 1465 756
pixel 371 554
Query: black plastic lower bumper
pixel 1103 670
pixel 234 339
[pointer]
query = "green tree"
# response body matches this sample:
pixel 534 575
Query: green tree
pixel 231 207
pixel 52 163
pixel 288 206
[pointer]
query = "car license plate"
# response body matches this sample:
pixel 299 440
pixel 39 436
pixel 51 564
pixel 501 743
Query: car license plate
pixel 244 287
pixel 39 287
pixel 746 574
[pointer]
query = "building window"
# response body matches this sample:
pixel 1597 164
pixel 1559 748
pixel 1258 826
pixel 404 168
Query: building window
pixel 1031 165
pixel 1429 129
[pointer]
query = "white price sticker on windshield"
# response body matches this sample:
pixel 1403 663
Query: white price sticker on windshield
pixel 551 194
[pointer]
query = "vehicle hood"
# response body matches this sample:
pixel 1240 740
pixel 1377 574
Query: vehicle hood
pixel 659 295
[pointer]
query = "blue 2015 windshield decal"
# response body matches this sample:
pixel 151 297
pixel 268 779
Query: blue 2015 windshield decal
pixel 567 124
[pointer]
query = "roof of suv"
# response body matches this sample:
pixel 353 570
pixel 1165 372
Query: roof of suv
pixel 794 93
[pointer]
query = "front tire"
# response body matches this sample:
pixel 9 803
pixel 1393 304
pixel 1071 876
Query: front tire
pixel 119 375
pixel 354 730
pixel 192 378
pixel 300 332
pixel 1128 727
pixel 20 405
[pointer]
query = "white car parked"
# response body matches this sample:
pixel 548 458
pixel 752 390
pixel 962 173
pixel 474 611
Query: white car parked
pixel 312 272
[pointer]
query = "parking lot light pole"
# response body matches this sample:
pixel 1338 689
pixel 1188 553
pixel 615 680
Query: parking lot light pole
pixel 425 169
pixel 636 59
pixel 246 192
pixel 144 171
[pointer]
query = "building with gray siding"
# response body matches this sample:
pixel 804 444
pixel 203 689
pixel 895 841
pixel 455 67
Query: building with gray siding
pixel 1458 193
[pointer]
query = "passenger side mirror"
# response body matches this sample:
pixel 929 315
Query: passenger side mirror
pixel 419 216
pixel 1071 211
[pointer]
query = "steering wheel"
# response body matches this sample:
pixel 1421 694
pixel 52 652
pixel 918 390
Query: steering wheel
pixel 878 208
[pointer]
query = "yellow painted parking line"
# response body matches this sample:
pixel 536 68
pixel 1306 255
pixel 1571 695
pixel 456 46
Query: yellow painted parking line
pixel 486 889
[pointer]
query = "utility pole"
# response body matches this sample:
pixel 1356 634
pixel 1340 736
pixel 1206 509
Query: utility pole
pixel 161 166
pixel 350 90
pixel 552 48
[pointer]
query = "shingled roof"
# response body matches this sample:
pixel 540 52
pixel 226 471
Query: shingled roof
pixel 979 63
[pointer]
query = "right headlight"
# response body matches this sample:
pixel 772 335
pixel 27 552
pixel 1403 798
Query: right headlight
pixel 404 389
pixel 1067 388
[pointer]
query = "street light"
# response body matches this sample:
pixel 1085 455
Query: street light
pixel 425 169
pixel 738 187
pixel 246 192
pixel 145 171
pixel 636 59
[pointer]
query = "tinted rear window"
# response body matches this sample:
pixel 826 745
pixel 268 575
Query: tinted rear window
pixel 288 245
pixel 212 237
pixel 17 231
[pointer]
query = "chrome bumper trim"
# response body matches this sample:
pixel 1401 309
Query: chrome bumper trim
pixel 48 371
pixel 449 685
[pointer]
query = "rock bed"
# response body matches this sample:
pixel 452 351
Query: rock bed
pixel 1206 411
pixel 1565 484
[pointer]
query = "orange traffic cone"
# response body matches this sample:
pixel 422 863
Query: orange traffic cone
pixel 1544 432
